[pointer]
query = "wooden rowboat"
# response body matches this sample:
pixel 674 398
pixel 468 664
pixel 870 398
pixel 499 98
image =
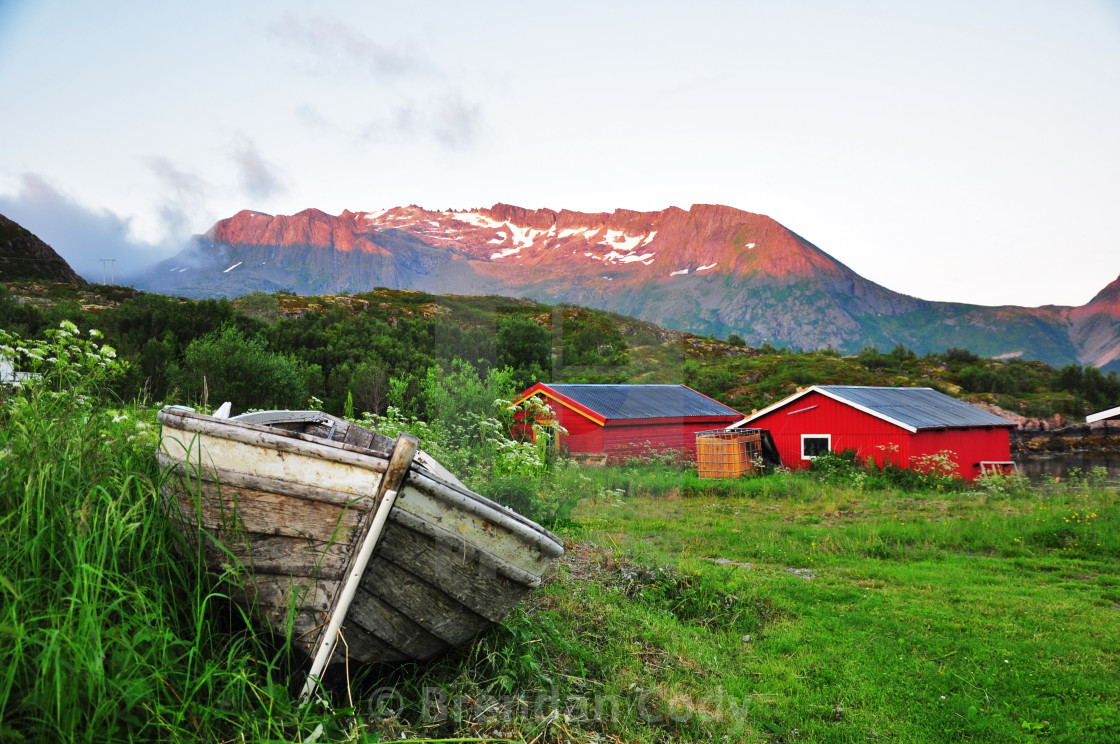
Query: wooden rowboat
pixel 289 500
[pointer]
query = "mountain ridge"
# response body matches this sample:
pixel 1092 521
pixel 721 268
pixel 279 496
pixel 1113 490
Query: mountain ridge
pixel 708 269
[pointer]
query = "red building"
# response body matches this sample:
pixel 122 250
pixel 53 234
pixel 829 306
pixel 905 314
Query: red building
pixel 617 421
pixel 894 425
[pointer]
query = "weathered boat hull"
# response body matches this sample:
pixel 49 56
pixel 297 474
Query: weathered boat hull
pixel 283 511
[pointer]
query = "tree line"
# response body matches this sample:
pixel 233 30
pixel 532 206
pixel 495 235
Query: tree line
pixel 380 350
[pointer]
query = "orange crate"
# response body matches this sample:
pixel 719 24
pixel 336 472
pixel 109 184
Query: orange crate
pixel 727 453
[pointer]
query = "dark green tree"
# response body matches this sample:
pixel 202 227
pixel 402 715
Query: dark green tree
pixel 225 365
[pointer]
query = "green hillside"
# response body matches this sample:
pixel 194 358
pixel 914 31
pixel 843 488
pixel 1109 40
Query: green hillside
pixel 277 350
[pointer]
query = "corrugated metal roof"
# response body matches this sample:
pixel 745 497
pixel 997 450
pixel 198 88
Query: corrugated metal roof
pixel 921 408
pixel 643 401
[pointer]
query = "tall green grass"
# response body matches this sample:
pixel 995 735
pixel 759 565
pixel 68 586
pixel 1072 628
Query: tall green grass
pixel 108 629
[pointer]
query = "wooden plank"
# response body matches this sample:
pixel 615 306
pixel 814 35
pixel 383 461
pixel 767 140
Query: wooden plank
pixel 392 627
pixel 358 437
pixel 263 513
pixel 456 508
pixel 481 589
pixel 465 539
pixel 307 625
pixel 278 486
pixel 276 554
pixel 364 647
pixel 280 591
pixel 207 453
pixel 432 609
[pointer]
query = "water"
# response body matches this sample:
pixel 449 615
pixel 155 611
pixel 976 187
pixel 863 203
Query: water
pixel 1048 467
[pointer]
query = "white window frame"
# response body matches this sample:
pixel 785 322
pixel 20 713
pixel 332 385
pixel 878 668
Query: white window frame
pixel 828 445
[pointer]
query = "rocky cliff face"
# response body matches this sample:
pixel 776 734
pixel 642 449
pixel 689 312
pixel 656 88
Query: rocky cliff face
pixel 24 256
pixel 708 269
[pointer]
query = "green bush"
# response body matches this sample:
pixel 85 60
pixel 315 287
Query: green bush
pixel 835 467
pixel 225 365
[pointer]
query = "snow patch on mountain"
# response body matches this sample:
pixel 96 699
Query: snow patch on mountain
pixel 474 218
pixel 523 236
pixel 620 241
pixel 505 252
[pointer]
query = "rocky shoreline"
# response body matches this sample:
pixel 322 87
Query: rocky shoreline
pixel 1102 436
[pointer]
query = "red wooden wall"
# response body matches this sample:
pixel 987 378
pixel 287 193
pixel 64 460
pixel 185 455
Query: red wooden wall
pixel 971 445
pixel 622 439
pixel 873 437
pixel 584 435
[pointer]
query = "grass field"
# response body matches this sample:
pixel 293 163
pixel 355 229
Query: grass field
pixel 894 616
pixel 790 610
pixel 778 608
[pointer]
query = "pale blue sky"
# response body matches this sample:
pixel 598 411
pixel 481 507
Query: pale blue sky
pixel 952 150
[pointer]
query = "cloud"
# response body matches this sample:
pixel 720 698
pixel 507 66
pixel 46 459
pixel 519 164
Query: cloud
pixel 189 190
pixel 257 177
pixel 338 46
pixel 450 120
pixel 312 118
pixel 455 122
pixel 81 235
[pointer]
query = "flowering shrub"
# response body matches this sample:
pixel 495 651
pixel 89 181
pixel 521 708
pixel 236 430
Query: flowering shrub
pixel 938 469
pixel 835 467
pixel 679 459
pixel 51 415
pixel 1001 483
pixel 63 363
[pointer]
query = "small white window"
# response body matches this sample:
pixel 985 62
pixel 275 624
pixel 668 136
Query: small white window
pixel 815 444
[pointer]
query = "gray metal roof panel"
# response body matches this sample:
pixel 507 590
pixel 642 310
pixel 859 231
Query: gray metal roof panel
pixel 922 408
pixel 643 401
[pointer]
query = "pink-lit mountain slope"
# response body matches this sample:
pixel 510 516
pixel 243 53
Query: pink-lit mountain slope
pixel 708 269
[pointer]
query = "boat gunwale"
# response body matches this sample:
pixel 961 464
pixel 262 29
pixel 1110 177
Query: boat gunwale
pixel 277 486
pixel 272 437
pixel 528 531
